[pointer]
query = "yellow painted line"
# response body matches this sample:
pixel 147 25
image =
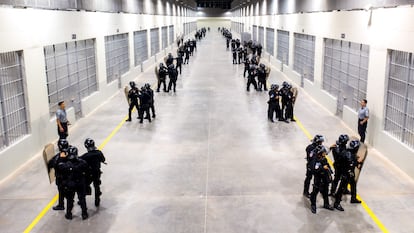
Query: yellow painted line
pixel 50 204
pixel 364 205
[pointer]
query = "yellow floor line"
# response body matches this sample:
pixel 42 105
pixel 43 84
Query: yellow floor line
pixel 364 205
pixel 50 204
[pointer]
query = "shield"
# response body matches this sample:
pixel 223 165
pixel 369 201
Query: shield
pixel 157 72
pixel 295 94
pixel 361 156
pixel 126 91
pixel 48 154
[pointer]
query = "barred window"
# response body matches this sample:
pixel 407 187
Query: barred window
pixel 399 111
pixel 171 33
pixel 117 56
pixel 261 35
pixel 164 37
pixel 13 110
pixel 155 41
pixel 346 68
pixel 254 33
pixel 283 46
pixel 304 55
pixel 71 73
pixel 140 46
pixel 270 41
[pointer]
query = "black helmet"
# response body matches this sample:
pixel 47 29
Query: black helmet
pixel 262 65
pixel 132 84
pixel 147 85
pixel 284 84
pixel 72 153
pixel 171 66
pixel 320 149
pixel 318 139
pixel 89 144
pixel 161 64
pixel 342 140
pixel 274 86
pixel 63 145
pixel 354 145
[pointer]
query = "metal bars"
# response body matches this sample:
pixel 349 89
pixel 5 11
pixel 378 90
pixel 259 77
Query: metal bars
pixel 13 110
pixel 71 73
pixel 171 34
pixel 155 41
pixel 283 46
pixel 399 107
pixel 304 55
pixel 164 37
pixel 254 33
pixel 270 41
pixel 346 68
pixel 117 56
pixel 140 46
pixel 261 35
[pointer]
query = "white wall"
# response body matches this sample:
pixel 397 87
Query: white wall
pixel 214 23
pixel 30 30
pixel 387 29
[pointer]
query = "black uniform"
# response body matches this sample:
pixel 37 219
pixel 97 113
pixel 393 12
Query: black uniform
pixel 310 157
pixel 287 103
pixel 94 158
pixel 321 182
pixel 251 79
pixel 246 67
pixel 187 56
pixel 151 103
pixel 179 60
pixel 240 54
pixel 339 166
pixel 274 106
pixel 259 50
pixel 234 51
pixel 162 73
pixel 133 98
pixel 172 73
pixel 74 173
pixel 145 99
pixel 53 163
pixel 261 77
pixel 348 160
pixel 169 60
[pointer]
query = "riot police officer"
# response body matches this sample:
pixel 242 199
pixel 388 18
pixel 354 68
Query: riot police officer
pixel 172 74
pixel 94 158
pixel 151 93
pixel 240 54
pixel 261 77
pixel 169 60
pixel 179 62
pixel 251 79
pixel 145 100
pixel 60 157
pixel 274 106
pixel 74 174
pixel 234 52
pixel 133 99
pixel 349 160
pixel 310 156
pixel 337 150
pixel 246 67
pixel 322 174
pixel 162 76
pixel 259 50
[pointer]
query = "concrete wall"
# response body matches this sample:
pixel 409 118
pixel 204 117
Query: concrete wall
pixel 31 29
pixel 381 29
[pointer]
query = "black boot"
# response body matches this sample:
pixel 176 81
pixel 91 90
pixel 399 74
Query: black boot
pixel 338 207
pixel 58 207
pixel 85 215
pixel 68 216
pixel 328 207
pixel 313 209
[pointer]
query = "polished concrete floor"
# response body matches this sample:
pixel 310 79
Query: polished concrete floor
pixel 210 162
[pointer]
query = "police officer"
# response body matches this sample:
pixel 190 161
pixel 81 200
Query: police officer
pixel 251 79
pixel 133 99
pixel 187 55
pixel 74 173
pixel 145 99
pixel 169 60
pixel 234 51
pixel 287 101
pixel 162 76
pixel 261 77
pixel 240 54
pixel 310 156
pixel 274 106
pixel 349 159
pixel 151 93
pixel 179 62
pixel 172 74
pixel 246 67
pixel 259 50
pixel 60 157
pixel 321 173
pixel 94 158
pixel 290 99
pixel 337 150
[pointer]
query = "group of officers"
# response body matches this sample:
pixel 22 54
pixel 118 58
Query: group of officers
pixel 75 174
pixel 317 166
pixel 281 102
pixel 142 99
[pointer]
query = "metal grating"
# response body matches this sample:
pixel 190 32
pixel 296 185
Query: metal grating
pixel 304 55
pixel 254 33
pixel 155 41
pixel 140 46
pixel 171 34
pixel 117 56
pixel 164 37
pixel 399 109
pixel 283 46
pixel 71 73
pixel 13 110
pixel 346 68
pixel 270 41
pixel 261 35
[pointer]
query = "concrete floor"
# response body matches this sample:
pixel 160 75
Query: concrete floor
pixel 210 162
